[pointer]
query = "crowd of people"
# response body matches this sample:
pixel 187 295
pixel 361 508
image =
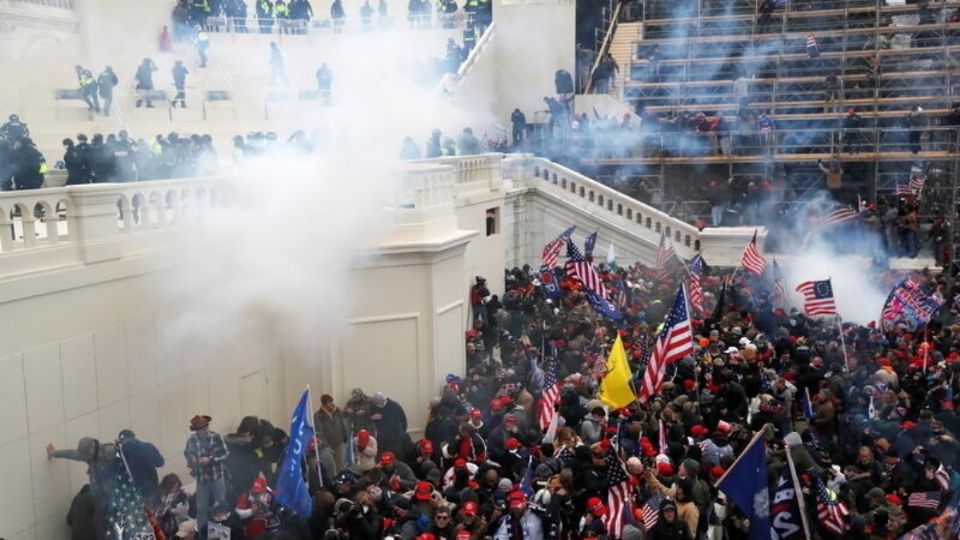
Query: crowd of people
pixel 865 412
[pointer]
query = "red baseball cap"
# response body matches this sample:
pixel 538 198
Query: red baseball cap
pixel 426 445
pixel 259 486
pixel 463 534
pixel 512 443
pixel 476 414
pixel 387 458
pixel 423 491
pixel 517 499
pixel 510 419
pixel 460 463
pixel 470 508
pixel 596 507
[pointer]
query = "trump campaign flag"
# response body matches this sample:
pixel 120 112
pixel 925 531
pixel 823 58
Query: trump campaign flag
pixel 292 489
pixel 745 483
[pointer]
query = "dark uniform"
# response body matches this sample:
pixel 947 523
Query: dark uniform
pixel 180 81
pixel 105 84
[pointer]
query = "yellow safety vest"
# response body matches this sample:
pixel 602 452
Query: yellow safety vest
pixel 155 147
pixel 43 167
pixel 86 80
pixel 281 10
pixel 202 36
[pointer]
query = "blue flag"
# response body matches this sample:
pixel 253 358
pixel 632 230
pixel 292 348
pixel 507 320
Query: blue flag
pixel 746 485
pixel 603 306
pixel 548 281
pixel 588 246
pixel 292 489
pixel 526 485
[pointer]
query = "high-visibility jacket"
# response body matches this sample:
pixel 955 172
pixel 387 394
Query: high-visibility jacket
pixel 43 167
pixel 471 6
pixel 86 78
pixel 266 8
pixel 469 38
pixel 280 10
pixel 155 147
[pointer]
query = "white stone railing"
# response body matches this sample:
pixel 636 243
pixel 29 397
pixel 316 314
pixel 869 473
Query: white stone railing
pixel 91 223
pixel 474 173
pixel 60 4
pixel 613 203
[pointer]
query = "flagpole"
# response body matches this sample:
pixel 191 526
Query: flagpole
pixel 736 461
pixel 316 446
pixel 843 344
pixel 799 494
pixel 926 347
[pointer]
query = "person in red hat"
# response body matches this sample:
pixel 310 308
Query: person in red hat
pixel 460 475
pixel 206 455
pixel 257 509
pixel 476 421
pixel 365 450
pixel 519 521
pixel 469 445
pixel 425 458
pixel 470 521
pixel 497 440
pixel 591 524
pixel 398 474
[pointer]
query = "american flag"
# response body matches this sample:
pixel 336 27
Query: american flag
pixel 650 513
pixel 752 260
pixel 666 256
pixel 696 289
pixel 942 477
pixel 619 501
pixel 830 510
pixel 674 342
pixel 779 287
pixel 817 298
pixel 839 214
pixel 579 268
pixel 903 190
pixel 551 394
pixel 551 252
pixel 924 499
pixel 917 181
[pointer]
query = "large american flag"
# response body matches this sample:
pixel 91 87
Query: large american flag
pixel 674 342
pixel 666 256
pixel 650 513
pixel 831 512
pixel 551 394
pixel 839 214
pixel 817 298
pixel 696 289
pixel 924 499
pixel 551 251
pixel 779 287
pixel 583 270
pixel 751 259
pixel 619 502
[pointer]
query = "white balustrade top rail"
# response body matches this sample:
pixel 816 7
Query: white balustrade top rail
pixel 60 4
pixel 619 206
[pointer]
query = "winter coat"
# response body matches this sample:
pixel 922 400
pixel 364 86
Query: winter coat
pixel 143 459
pixel 331 427
pixel 80 516
pixel 391 427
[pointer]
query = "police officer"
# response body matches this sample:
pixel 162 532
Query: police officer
pixel 105 84
pixel 29 165
pixel 14 129
pixel 88 88
pixel 180 82
pixel 265 15
pixel 202 43
pixel 469 39
pixel 71 162
pixel 145 82
pixel 84 160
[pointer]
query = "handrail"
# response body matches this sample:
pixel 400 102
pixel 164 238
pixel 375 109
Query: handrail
pixel 61 4
pixel 615 202
pixel 607 40
pixel 449 81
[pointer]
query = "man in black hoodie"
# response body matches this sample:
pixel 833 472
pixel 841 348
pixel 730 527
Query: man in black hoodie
pixel 668 527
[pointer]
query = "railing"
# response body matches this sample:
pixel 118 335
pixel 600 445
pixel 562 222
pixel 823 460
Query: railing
pixel 604 46
pixel 784 145
pixel 293 27
pixel 474 173
pixel 84 220
pixel 60 4
pixel 449 81
pixel 620 207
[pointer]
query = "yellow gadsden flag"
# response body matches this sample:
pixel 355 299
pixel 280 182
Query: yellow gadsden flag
pixel 615 388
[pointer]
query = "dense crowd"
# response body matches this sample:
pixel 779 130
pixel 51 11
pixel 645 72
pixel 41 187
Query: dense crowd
pixel 868 421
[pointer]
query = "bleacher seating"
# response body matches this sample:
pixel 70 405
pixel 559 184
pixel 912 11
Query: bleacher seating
pixel 685 57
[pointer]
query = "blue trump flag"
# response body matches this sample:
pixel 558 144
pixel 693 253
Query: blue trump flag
pixel 745 483
pixel 292 489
